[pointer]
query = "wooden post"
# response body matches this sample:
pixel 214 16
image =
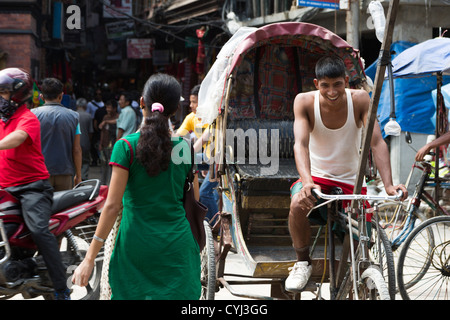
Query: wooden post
pixel 384 58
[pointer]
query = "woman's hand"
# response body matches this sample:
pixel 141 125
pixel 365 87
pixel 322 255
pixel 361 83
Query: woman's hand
pixel 83 273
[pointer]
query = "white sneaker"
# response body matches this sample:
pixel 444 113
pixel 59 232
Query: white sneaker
pixel 298 276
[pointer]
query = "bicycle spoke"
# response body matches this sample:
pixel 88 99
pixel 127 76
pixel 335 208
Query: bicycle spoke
pixel 424 269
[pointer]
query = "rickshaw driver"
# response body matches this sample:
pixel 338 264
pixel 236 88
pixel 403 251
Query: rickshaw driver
pixel 327 129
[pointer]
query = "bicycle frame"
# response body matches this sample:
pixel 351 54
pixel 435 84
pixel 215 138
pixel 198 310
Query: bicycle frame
pixel 420 193
pixel 359 257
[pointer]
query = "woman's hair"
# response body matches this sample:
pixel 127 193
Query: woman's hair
pixel 330 67
pixel 155 146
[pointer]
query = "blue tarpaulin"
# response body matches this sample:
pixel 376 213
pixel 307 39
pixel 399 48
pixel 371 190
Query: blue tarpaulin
pixel 424 58
pixel 415 109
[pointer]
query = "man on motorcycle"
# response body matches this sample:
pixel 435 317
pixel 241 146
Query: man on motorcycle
pixel 23 172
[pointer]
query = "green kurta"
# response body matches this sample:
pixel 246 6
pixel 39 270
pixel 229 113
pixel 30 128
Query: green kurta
pixel 155 256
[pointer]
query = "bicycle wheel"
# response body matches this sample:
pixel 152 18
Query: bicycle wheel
pixel 208 266
pixel 424 264
pixel 383 256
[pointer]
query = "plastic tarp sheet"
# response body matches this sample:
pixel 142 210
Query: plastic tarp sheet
pixel 424 58
pixel 415 109
pixel 445 91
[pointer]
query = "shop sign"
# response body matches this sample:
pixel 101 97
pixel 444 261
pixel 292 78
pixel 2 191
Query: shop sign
pixel 117 9
pixel 120 29
pixel 140 48
pixel 328 4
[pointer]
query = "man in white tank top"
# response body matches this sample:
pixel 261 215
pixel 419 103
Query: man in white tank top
pixel 327 129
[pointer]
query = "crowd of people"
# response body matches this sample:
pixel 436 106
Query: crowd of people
pixel 102 120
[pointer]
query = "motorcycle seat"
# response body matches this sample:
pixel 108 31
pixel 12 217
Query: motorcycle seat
pixel 68 198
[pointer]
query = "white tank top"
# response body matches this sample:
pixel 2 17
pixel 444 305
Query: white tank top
pixel 334 153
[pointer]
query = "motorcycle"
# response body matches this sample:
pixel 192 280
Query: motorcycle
pixel 74 218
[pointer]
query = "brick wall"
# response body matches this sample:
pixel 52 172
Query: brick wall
pixel 18 39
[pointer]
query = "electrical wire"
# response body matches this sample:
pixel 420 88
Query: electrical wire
pixel 177 29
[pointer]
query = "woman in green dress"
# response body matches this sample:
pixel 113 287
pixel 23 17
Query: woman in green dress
pixel 155 255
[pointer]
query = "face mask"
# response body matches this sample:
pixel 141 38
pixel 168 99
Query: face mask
pixel 7 109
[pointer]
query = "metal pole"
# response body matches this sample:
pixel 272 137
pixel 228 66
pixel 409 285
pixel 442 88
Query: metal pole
pixel 352 20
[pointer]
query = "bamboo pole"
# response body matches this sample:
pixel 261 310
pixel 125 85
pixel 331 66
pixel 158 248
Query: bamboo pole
pixel 384 59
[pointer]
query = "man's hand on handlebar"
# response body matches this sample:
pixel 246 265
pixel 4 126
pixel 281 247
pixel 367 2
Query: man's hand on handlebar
pixel 420 155
pixel 306 198
pixel 394 190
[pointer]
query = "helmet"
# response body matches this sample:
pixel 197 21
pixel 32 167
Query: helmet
pixel 18 82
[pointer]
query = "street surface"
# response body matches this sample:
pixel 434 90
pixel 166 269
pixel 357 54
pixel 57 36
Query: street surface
pixel 235 265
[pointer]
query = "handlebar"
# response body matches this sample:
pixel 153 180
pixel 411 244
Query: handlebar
pixel 336 197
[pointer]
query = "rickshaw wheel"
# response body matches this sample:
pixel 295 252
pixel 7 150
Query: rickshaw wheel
pixel 208 266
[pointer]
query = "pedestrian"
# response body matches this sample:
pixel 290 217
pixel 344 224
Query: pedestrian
pixel 107 139
pixel 96 108
pixel 23 172
pixel 155 255
pixel 327 132
pixel 87 130
pixel 60 136
pixel 126 123
pixel 95 103
pixel 192 125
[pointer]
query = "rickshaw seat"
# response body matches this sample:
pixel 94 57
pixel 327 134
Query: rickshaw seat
pixel 259 190
pixel 285 132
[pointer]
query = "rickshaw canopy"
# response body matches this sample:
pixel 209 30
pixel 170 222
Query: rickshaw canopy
pixel 238 56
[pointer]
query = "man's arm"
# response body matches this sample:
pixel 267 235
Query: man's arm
pixel 120 132
pixel 13 140
pixel 381 156
pixel 442 140
pixel 379 147
pixel 301 139
pixel 302 129
pixel 77 156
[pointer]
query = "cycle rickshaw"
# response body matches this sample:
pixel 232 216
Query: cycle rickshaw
pixel 247 97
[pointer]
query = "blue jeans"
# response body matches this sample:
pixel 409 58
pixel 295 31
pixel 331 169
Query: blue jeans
pixel 209 196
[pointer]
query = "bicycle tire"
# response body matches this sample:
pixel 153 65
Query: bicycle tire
pixel 433 235
pixel 386 260
pixel 208 266
pixel 371 287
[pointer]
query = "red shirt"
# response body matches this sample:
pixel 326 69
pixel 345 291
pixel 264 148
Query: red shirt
pixel 24 164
